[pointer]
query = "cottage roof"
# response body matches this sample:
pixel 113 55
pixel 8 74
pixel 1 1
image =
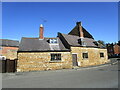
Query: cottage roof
pixel 74 40
pixel 75 31
pixel 9 43
pixel 36 44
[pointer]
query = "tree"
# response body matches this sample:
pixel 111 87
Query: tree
pixel 101 43
pixel 119 42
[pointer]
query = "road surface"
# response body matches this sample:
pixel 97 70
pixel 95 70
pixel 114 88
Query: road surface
pixel 105 76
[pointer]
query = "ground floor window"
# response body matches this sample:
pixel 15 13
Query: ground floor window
pixel 101 54
pixel 85 55
pixel 55 57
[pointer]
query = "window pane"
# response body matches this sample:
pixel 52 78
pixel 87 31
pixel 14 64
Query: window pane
pixel 52 56
pixel 101 54
pixel 85 55
pixel 55 57
pixel 53 40
pixel 59 56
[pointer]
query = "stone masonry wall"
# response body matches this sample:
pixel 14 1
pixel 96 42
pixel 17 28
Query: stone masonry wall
pixel 35 61
pixel 93 56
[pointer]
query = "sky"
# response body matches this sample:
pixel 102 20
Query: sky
pixel 22 19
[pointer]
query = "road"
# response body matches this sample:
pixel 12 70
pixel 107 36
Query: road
pixel 105 76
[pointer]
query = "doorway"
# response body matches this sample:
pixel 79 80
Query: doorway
pixel 74 59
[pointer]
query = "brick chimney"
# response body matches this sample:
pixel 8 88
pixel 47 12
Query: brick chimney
pixel 81 34
pixel 41 36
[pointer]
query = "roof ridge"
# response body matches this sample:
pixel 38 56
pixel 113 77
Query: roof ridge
pixel 31 37
pixel 9 40
pixel 38 37
pixel 70 35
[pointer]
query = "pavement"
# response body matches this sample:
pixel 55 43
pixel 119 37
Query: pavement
pixel 102 76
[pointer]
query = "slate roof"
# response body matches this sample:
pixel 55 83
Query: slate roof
pixel 75 31
pixel 9 43
pixel 64 41
pixel 35 44
pixel 73 40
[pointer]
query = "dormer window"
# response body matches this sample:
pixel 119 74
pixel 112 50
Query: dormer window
pixel 82 42
pixel 53 41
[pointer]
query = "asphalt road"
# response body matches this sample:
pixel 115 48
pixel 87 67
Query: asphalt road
pixel 94 77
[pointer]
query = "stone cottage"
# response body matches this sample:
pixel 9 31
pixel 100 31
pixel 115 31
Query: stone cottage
pixel 75 49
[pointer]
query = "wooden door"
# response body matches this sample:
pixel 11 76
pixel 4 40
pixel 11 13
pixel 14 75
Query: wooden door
pixel 2 66
pixel 74 59
pixel 10 66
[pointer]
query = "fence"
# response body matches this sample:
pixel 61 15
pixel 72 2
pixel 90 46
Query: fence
pixel 8 65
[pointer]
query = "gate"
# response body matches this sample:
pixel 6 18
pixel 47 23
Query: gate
pixel 8 65
pixel 2 66
pixel 11 66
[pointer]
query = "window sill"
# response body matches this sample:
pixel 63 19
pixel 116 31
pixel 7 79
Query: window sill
pixel 85 59
pixel 55 61
pixel 101 57
pixel 53 43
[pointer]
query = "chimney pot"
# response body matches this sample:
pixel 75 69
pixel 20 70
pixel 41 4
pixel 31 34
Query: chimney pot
pixel 79 23
pixel 41 25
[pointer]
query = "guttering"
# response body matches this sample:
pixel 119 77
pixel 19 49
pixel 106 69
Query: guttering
pixel 86 46
pixel 47 51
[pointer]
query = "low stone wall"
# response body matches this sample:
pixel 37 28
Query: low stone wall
pixel 93 56
pixel 35 61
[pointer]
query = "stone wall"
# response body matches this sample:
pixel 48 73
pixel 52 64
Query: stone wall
pixel 93 56
pixel 35 61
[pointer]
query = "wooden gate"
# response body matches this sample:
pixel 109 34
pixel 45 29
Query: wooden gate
pixel 8 66
pixel 11 66
pixel 74 59
pixel 2 66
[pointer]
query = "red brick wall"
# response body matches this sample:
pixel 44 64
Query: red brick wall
pixel 116 49
pixel 9 52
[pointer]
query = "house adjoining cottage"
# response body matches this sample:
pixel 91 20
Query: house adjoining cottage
pixel 113 49
pixel 75 49
pixel 8 55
